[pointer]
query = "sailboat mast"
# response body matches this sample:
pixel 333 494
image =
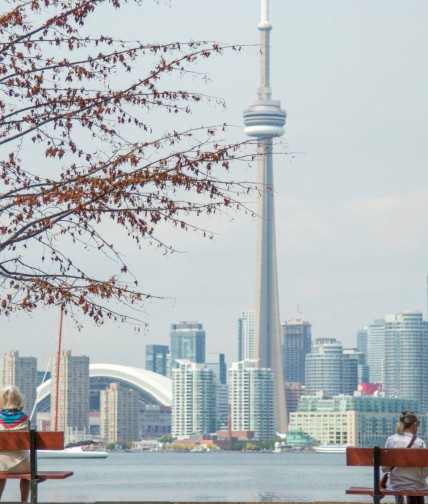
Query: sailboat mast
pixel 58 369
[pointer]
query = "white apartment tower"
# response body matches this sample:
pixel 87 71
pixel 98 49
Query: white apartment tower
pixel 251 399
pixel 376 350
pixel 21 372
pixel 406 357
pixel 246 334
pixel 329 370
pixel 119 414
pixel 72 390
pixel 193 399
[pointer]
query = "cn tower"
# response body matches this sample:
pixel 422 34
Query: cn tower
pixel 264 119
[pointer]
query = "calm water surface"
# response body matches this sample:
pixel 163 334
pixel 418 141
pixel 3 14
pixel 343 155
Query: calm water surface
pixel 257 477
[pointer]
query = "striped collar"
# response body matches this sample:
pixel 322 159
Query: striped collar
pixel 12 417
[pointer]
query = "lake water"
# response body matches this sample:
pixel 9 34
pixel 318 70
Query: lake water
pixel 223 476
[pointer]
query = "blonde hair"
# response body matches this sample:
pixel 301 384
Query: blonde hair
pixel 11 398
pixel 407 419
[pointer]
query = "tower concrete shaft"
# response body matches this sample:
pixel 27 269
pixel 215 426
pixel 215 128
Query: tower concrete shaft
pixel 264 119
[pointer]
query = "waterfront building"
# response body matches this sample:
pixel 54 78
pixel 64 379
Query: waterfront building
pixel 94 423
pixel 296 343
pixel 251 399
pixel 246 334
pixel 345 419
pixel 193 399
pixel 264 120
pixel 72 392
pixel 22 373
pixel 300 439
pixel 157 359
pixel 155 421
pixel 376 350
pixel 329 370
pixel 119 414
pixel 406 357
pixel 187 343
pixel 218 367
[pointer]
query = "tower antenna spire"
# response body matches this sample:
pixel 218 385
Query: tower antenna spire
pixel 265 13
pixel 264 119
pixel 265 27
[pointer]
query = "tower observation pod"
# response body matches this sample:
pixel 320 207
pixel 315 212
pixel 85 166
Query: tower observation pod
pixel 264 119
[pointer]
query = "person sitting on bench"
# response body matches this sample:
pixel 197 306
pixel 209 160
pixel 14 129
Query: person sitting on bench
pixel 407 478
pixel 13 418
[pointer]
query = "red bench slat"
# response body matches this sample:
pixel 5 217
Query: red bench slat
pixel 41 475
pixel 20 440
pixel 398 457
pixel 370 491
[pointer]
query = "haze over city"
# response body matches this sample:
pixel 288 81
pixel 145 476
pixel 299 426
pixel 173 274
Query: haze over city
pixel 351 194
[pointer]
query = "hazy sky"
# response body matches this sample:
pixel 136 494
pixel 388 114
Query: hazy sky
pixel 351 197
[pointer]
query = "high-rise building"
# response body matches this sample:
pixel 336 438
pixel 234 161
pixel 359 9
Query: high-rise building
pixel 296 343
pixel 264 120
pixel 222 405
pixel 251 399
pixel 362 341
pixel 246 334
pixel 293 392
pixel 72 392
pixel 193 399
pixel 157 359
pixel 329 370
pixel 363 369
pixel 119 414
pixel 376 350
pixel 21 372
pixel 187 342
pixel 406 357
pixel 219 368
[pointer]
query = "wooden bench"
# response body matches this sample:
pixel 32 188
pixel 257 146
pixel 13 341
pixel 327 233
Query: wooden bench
pixel 32 440
pixel 377 457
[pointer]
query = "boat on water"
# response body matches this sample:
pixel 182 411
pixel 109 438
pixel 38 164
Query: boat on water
pixel 330 448
pixel 82 450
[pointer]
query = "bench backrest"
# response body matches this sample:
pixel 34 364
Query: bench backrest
pixel 398 457
pixel 20 440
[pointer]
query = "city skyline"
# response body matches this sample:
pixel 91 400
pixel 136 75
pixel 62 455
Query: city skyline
pixel 198 401
pixel 349 199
